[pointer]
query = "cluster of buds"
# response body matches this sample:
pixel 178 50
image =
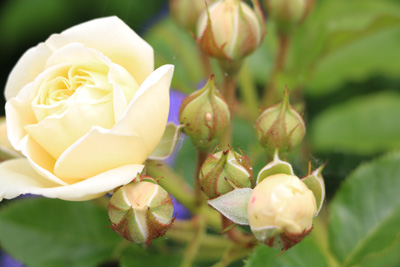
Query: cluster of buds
pixel 205 116
pixel 280 208
pixel 230 29
pixel 141 211
pixel 224 171
pixel 280 127
pixel 187 12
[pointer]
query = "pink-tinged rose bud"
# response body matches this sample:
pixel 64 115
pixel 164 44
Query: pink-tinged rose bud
pixel 205 116
pixel 280 127
pixel 141 211
pixel 224 171
pixel 230 29
pixel 280 211
pixel 186 12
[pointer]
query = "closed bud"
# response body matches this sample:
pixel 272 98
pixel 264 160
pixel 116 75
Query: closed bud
pixel 286 13
pixel 230 29
pixel 205 116
pixel 224 171
pixel 280 127
pixel 187 12
pixel 280 211
pixel 141 211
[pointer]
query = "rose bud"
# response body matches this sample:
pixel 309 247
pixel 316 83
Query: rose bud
pixel 286 13
pixel 280 211
pixel 186 12
pixel 280 127
pixel 224 171
pixel 141 211
pixel 205 115
pixel 230 29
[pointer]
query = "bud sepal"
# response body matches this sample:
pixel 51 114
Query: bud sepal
pixel 315 182
pixel 233 205
pixel 275 167
pixel 274 237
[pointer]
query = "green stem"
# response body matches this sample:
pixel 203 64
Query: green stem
pixel 248 90
pixel 245 240
pixel 183 232
pixel 232 253
pixel 199 196
pixel 194 245
pixel 178 187
pixel 172 182
pixel 229 94
pixel 271 95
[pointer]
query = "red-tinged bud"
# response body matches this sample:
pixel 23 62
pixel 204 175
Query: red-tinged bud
pixel 141 211
pixel 205 116
pixel 230 29
pixel 280 127
pixel 224 171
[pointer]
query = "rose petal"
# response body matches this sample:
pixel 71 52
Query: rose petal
pixel 27 69
pixel 58 132
pixel 112 37
pixel 19 114
pixel 149 108
pixel 131 140
pixel 17 177
pixel 75 53
pixel 99 151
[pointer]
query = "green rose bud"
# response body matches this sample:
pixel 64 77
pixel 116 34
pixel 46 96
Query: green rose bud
pixel 286 13
pixel 205 116
pixel 141 211
pixel 224 171
pixel 230 29
pixel 280 211
pixel 280 127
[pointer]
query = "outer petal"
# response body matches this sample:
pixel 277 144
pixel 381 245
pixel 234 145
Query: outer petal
pixel 27 69
pixel 17 177
pixel 131 140
pixel 112 37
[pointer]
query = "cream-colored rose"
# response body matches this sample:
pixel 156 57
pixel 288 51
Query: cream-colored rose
pixel 86 109
pixel 284 202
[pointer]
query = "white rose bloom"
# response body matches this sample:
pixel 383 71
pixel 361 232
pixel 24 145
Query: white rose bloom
pixel 86 108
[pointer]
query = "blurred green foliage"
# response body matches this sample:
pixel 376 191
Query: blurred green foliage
pixel 343 69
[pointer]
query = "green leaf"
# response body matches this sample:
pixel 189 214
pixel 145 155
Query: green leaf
pixel 50 232
pixel 345 41
pixel 307 253
pixel 138 255
pixel 365 213
pixel 388 258
pixel 362 125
